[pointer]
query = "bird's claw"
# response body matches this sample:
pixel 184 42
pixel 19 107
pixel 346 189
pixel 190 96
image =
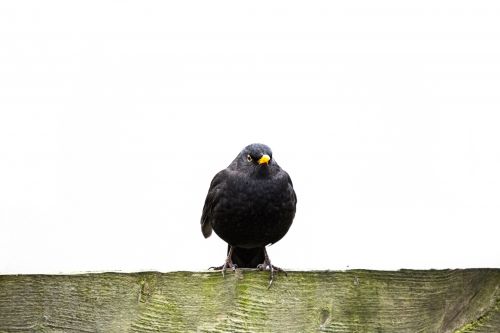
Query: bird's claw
pixel 273 270
pixel 223 268
pixel 227 264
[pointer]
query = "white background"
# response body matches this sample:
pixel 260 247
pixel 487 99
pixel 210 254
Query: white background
pixel 115 115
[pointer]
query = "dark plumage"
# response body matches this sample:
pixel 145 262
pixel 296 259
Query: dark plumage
pixel 250 205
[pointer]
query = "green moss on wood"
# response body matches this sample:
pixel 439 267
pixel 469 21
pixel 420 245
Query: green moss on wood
pixel 350 301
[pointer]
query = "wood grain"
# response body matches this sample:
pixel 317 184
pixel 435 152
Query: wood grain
pixel 347 301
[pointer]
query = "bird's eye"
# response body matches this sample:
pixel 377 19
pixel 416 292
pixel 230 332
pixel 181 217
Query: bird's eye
pixel 249 158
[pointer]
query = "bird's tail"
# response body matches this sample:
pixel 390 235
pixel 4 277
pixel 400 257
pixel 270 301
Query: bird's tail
pixel 247 258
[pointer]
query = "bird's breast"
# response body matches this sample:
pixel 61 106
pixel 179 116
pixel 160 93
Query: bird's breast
pixel 256 196
pixel 254 212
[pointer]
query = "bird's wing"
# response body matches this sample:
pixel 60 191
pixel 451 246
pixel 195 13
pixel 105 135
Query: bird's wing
pixel 290 186
pixel 210 202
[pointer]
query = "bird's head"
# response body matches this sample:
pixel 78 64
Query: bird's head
pixel 256 157
pixel 257 154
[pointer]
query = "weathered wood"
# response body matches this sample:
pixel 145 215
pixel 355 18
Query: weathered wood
pixel 350 301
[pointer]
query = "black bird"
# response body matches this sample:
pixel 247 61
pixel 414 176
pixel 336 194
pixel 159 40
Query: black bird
pixel 250 205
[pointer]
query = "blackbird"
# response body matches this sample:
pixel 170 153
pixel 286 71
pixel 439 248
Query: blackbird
pixel 250 205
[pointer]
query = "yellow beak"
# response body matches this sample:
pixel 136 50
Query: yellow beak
pixel 264 159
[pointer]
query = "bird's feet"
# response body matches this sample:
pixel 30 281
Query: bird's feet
pixel 227 264
pixel 266 265
pixel 223 268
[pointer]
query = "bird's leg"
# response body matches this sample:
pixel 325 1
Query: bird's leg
pixel 273 269
pixel 227 264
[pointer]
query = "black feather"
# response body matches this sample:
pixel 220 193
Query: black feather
pixel 250 205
